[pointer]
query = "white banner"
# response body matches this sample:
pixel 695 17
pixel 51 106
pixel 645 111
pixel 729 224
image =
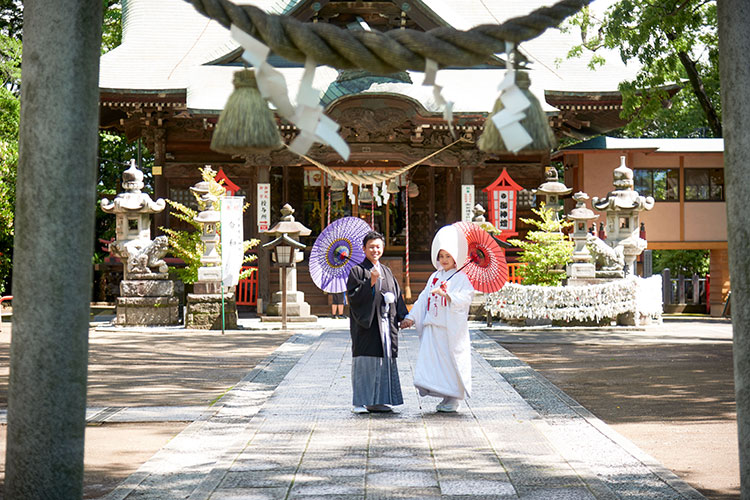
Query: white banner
pixel 232 253
pixel 467 202
pixel 264 207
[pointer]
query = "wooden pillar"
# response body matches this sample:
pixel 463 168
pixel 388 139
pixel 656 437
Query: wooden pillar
pixel 264 256
pixel 431 210
pixel 161 186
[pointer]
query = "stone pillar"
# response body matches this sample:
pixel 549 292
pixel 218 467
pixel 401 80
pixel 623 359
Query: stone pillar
pixel 734 63
pixel 719 270
pixel 52 272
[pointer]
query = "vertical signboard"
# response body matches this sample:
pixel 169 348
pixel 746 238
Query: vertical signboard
pixel 232 253
pixel 467 202
pixel 264 206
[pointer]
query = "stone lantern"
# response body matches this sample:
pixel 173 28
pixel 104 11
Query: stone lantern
pixel 581 267
pixel 146 295
pixel 209 274
pixel 209 307
pixel 622 207
pixel 552 189
pixel 296 307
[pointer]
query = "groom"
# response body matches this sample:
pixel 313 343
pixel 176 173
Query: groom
pixel 376 308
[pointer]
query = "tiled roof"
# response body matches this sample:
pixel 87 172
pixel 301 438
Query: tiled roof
pixel 167 45
pixel 696 145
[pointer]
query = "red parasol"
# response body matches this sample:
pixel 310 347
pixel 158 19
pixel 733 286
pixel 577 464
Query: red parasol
pixel 485 267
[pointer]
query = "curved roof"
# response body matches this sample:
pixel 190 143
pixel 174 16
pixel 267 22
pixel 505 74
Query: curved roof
pixel 168 45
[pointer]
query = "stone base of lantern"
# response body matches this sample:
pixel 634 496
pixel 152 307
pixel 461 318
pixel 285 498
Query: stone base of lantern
pixel 295 305
pixel 204 311
pixel 147 311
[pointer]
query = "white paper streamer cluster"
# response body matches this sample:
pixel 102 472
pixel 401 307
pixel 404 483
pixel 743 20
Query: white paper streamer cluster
pixel 386 194
pixel 515 103
pixel 430 75
pixel 314 126
pixel 376 195
pixel 578 303
pixel 350 193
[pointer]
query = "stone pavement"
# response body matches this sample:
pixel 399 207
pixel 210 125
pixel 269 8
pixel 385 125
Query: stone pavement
pixel 286 431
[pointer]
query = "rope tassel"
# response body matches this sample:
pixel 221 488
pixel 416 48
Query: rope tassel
pixel 536 134
pixel 246 125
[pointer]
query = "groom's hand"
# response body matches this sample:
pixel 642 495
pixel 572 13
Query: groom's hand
pixel 374 275
pixel 406 323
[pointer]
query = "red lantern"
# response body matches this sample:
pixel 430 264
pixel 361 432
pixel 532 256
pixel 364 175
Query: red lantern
pixel 502 196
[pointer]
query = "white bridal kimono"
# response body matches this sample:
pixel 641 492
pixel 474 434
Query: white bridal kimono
pixel 444 361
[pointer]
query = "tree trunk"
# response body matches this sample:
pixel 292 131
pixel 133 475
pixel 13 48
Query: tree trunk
pixel 700 93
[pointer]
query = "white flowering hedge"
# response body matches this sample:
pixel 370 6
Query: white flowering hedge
pixel 641 296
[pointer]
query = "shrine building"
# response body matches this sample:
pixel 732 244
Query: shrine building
pixel 168 81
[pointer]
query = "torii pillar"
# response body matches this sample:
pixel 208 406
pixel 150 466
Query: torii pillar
pixel 53 246
pixel 734 63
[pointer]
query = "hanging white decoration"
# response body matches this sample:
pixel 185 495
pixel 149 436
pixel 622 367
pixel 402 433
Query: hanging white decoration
pixel 376 195
pixel 633 294
pixel 308 116
pixel 386 195
pixel 430 75
pixel 350 192
pixel 515 103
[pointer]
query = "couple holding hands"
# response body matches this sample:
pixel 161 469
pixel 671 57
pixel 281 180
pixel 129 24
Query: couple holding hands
pixel 440 315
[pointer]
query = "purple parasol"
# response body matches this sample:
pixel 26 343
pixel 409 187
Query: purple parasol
pixel 337 249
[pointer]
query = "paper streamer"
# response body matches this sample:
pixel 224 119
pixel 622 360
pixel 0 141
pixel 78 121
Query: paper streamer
pixel 386 194
pixel 308 116
pixel 430 75
pixel 515 103
pixel 350 193
pixel 376 195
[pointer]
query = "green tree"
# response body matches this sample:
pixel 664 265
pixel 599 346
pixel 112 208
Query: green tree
pixel 685 262
pixel 674 41
pixel 114 151
pixel 187 245
pixel 10 72
pixel 546 250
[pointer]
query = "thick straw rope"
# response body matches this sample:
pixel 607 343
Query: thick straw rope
pixel 376 178
pixel 384 52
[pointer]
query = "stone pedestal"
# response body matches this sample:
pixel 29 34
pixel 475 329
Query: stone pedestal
pixel 295 305
pixel 147 300
pixel 582 270
pixel 204 311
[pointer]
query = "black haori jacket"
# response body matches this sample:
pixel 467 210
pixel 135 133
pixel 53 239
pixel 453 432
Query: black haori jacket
pixel 364 301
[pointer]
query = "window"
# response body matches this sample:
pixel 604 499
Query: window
pixel 661 183
pixel 704 184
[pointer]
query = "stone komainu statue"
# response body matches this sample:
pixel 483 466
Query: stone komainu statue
pixel 604 256
pixel 140 259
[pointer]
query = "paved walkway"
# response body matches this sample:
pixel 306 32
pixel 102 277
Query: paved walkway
pixel 286 431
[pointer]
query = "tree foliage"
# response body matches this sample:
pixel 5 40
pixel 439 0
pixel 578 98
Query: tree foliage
pixel 546 250
pixel 187 245
pixel 685 262
pixel 675 42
